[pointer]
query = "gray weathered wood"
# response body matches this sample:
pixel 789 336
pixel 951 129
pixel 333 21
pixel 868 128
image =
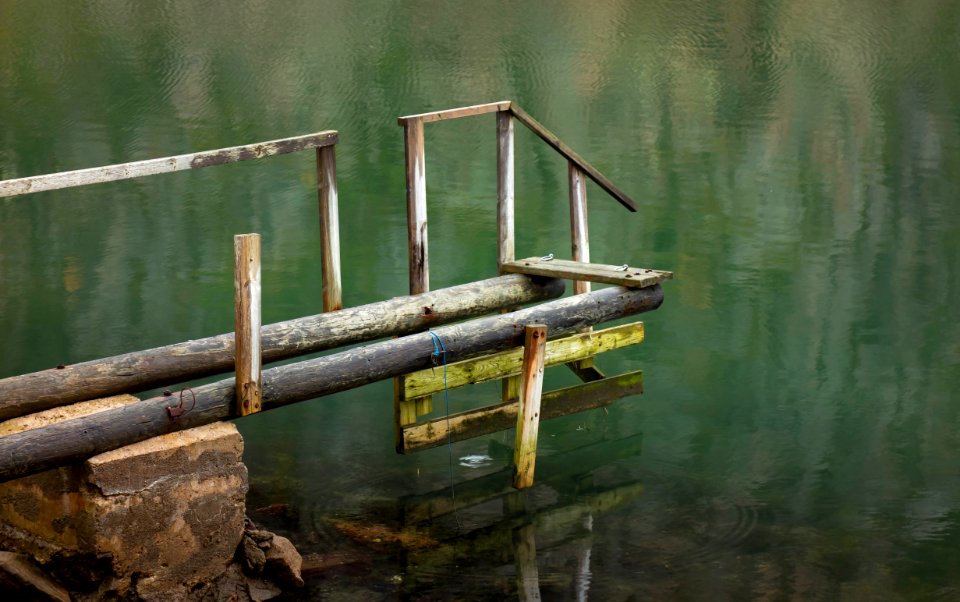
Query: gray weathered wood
pixel 528 410
pixel 579 230
pixel 550 138
pixel 594 272
pixel 503 416
pixel 246 291
pixel 329 227
pixel 142 370
pixel 416 207
pixel 70 441
pixel 136 169
pixel 505 189
pixel 489 107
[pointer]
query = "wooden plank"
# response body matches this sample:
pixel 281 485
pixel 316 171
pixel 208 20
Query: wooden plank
pixel 151 368
pixel 329 227
pixel 149 167
pixel 550 138
pixel 490 107
pixel 509 363
pixel 246 285
pixel 595 272
pixel 503 416
pixel 73 440
pixel 528 410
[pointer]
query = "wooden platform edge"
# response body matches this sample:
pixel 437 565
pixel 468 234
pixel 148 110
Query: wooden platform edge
pixel 508 363
pixel 503 416
pixel 622 275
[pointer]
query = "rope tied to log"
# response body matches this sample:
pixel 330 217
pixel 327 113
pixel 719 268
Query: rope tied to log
pixel 440 351
pixel 175 412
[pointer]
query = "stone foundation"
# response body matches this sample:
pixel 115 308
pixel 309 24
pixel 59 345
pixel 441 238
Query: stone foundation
pixel 156 520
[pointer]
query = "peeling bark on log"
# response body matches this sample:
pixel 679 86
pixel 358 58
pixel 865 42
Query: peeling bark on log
pixel 73 440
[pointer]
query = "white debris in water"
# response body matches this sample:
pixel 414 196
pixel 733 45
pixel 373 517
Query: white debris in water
pixel 476 461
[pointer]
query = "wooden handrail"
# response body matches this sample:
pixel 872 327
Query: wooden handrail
pixel 537 128
pixel 550 138
pixel 136 169
pixel 491 107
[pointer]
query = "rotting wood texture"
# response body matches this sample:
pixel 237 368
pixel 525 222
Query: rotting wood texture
pixel 508 363
pixel 74 440
pixel 246 285
pixel 149 167
pixel 528 407
pixel 142 370
pixel 503 416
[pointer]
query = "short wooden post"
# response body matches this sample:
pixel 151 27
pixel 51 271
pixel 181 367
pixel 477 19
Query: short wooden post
pixel 407 410
pixel 246 285
pixel 505 230
pixel 528 415
pixel 329 227
pixel 525 561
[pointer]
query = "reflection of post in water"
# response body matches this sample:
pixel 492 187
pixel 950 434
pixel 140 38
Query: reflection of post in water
pixel 525 559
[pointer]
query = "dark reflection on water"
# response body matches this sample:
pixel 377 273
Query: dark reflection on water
pixel 797 165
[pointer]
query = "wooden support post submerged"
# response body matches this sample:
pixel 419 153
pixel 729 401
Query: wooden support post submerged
pixel 580 246
pixel 528 414
pixel 246 285
pixel 525 561
pixel 407 410
pixel 329 227
pixel 506 250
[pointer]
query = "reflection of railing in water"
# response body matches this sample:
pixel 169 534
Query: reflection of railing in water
pixel 323 142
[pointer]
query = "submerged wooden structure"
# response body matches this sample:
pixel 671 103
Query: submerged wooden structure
pixel 428 355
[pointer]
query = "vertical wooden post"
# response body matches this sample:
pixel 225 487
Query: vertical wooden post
pixel 416 207
pixel 246 286
pixel 528 414
pixel 505 229
pixel 407 410
pixel 329 227
pixel 525 561
pixel 579 236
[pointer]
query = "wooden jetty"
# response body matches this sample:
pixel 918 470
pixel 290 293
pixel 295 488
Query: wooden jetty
pixel 511 345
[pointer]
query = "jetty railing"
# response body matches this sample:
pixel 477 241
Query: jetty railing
pixel 324 143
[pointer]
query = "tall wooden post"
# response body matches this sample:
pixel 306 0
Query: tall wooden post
pixel 579 237
pixel 505 210
pixel 246 286
pixel 329 227
pixel 416 207
pixel 407 410
pixel 528 415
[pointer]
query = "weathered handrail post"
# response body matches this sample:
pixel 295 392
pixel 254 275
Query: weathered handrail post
pixel 528 414
pixel 329 227
pixel 505 211
pixel 407 410
pixel 579 233
pixel 246 284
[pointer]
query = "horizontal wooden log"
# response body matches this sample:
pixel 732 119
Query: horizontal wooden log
pixel 591 272
pixel 490 107
pixel 503 416
pixel 550 138
pixel 74 440
pixel 508 363
pixel 142 370
pixel 149 167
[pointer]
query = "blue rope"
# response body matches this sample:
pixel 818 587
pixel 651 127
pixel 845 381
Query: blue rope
pixel 438 350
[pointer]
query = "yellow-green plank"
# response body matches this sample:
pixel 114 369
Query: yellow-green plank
pixel 507 363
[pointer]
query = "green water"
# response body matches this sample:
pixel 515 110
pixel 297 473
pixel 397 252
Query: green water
pixel 796 163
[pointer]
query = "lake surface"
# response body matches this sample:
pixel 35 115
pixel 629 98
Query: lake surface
pixel 796 164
